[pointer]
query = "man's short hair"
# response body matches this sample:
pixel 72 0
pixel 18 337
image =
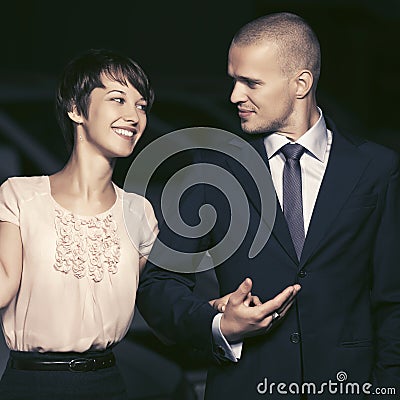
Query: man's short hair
pixel 84 73
pixel 297 43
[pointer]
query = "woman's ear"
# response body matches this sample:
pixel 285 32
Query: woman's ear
pixel 75 116
pixel 304 82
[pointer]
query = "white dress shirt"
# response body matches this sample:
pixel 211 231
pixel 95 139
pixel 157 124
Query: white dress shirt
pixel 317 141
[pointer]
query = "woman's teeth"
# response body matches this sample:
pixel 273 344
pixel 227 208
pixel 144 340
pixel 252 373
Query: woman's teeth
pixel 123 132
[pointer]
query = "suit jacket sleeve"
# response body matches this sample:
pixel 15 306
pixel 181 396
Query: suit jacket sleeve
pixel 165 298
pixel 385 292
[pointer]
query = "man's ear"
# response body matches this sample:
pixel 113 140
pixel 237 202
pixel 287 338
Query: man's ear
pixel 304 81
pixel 75 116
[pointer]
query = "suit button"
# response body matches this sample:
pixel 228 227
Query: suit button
pixel 302 273
pixel 295 337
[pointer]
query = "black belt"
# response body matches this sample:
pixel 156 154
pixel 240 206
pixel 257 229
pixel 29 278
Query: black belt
pixel 77 364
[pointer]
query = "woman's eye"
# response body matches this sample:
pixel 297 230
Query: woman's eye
pixel 142 107
pixel 119 100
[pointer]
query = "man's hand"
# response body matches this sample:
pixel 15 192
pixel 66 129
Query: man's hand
pixel 245 315
pixel 220 303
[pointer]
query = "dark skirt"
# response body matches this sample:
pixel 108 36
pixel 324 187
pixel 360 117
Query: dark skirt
pixel 102 384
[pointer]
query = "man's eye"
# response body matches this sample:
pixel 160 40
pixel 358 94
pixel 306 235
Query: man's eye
pixel 251 84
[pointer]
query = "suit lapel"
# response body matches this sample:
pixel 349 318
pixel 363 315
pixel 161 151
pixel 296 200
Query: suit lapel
pixel 280 229
pixel 345 167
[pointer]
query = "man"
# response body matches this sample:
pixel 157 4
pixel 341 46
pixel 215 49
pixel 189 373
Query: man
pixel 336 230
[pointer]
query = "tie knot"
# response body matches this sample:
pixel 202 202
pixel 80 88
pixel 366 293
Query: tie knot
pixel 292 151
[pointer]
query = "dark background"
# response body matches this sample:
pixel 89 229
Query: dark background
pixel 183 48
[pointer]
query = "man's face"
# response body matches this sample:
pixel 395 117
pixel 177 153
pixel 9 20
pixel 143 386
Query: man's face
pixel 263 94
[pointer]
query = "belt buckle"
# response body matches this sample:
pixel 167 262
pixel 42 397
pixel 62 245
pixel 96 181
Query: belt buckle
pixel 81 365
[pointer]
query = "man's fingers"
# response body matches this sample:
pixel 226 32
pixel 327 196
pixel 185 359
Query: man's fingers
pixel 282 312
pixel 275 315
pixel 279 313
pixel 279 301
pixel 285 307
pixel 240 294
pixel 289 301
pixel 246 315
pixel 255 301
pixel 247 300
pixel 252 301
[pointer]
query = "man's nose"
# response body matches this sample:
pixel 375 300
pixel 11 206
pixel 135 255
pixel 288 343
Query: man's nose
pixel 238 94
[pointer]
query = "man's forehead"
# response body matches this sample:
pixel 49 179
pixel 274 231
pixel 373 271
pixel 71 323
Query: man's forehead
pixel 258 48
pixel 253 57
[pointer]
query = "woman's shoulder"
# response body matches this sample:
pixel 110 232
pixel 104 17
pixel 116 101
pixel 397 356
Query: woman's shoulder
pixel 26 187
pixel 134 203
pixel 130 196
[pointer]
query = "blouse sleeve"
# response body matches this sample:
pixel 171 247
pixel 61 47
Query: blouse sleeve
pixel 149 229
pixel 9 208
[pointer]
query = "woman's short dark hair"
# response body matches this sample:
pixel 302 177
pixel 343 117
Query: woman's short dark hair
pixel 84 73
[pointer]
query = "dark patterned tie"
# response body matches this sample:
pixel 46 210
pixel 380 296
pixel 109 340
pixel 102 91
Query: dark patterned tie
pixel 292 194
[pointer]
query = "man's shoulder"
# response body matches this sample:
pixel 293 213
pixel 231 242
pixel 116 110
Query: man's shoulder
pixel 381 156
pixel 371 149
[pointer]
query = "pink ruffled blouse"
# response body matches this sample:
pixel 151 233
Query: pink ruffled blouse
pixel 79 273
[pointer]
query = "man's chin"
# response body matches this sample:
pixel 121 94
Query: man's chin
pixel 251 130
pixel 257 130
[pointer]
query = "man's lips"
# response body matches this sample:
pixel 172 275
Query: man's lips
pixel 244 113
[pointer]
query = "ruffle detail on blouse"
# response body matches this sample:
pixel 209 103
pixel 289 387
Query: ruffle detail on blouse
pixel 86 245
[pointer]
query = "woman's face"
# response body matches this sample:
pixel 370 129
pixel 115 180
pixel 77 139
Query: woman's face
pixel 116 118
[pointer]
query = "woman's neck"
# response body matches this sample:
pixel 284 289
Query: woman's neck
pixel 84 185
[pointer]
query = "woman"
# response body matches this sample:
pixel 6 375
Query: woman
pixel 68 267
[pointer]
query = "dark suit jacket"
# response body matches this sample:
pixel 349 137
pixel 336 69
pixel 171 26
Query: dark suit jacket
pixel 347 314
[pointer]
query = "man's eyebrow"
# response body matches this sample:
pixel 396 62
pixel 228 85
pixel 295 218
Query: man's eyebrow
pixel 246 79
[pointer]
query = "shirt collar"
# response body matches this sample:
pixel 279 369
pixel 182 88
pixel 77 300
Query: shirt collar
pixel 315 140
